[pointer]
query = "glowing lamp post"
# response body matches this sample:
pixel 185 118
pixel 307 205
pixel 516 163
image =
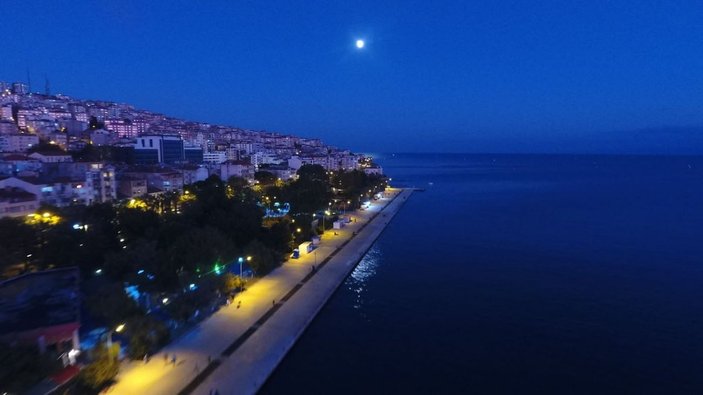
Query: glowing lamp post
pixel 118 329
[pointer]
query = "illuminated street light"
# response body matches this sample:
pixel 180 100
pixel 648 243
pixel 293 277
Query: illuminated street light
pixel 119 329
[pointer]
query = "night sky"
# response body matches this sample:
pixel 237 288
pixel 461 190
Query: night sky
pixel 459 76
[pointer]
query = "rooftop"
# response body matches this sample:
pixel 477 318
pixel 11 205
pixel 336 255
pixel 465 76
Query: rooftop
pixel 39 299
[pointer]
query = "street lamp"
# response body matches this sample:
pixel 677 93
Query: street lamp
pixel 240 260
pixel 118 329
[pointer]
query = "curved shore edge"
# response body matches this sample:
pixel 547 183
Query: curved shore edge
pixel 248 362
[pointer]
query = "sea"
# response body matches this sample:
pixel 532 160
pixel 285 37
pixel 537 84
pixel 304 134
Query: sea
pixel 513 274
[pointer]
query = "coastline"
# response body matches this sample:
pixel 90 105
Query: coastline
pixel 232 333
pixel 249 367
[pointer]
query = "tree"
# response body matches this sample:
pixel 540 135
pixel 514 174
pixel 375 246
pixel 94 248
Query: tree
pixel 263 259
pixel 102 370
pixel 238 189
pixel 265 177
pixel 136 223
pixel 146 335
pixel 310 192
pixel 18 241
pixel 124 264
pixel 230 283
pixel 59 245
pixel 45 146
pixel 92 153
pixel 278 236
pixel 112 305
pixel 312 173
pixel 198 248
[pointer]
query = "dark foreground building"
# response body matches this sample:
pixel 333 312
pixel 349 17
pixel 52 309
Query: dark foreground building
pixel 42 308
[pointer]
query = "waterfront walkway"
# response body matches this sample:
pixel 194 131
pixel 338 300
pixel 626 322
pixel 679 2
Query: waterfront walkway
pixel 236 349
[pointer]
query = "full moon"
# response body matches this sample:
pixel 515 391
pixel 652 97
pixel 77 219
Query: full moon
pixel 360 44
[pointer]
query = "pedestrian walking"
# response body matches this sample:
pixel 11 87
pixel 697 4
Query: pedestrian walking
pixel 165 358
pixel 146 358
pixel 274 302
pixel 173 359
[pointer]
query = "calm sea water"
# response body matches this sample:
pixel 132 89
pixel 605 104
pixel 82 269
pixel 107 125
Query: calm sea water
pixel 521 274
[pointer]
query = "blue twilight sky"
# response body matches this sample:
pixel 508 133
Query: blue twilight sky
pixel 461 76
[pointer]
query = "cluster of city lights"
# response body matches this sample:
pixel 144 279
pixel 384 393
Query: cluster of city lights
pixel 46 218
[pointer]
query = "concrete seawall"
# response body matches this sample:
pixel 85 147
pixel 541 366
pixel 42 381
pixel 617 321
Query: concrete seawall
pixel 247 367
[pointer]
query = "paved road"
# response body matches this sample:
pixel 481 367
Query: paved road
pixel 215 334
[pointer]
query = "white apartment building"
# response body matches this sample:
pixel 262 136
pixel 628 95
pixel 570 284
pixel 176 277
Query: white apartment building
pixel 100 179
pixel 16 202
pixel 51 157
pixel 6 113
pixel 17 142
pixel 215 157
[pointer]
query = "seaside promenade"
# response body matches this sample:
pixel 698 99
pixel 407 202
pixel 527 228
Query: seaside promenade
pixel 236 349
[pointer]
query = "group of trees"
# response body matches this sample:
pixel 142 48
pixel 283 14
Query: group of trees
pixel 99 373
pixel 310 192
pixel 167 243
pixel 218 224
pixel 178 238
pixel 352 185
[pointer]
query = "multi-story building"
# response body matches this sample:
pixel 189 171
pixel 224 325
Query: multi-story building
pixel 237 168
pixel 51 157
pixel 18 164
pixel 215 157
pixel 159 179
pixel 19 88
pixel 193 174
pixel 122 127
pixel 8 127
pixel 17 142
pixel 131 186
pixel 60 192
pixel 6 113
pixel 193 155
pixel 16 202
pixel 43 309
pixel 100 179
pixel 100 137
pixel 168 149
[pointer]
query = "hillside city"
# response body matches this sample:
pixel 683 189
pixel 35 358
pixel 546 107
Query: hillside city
pixel 122 229
pixel 61 151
